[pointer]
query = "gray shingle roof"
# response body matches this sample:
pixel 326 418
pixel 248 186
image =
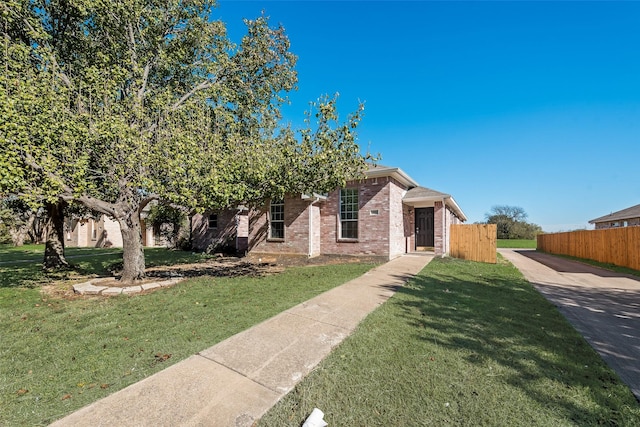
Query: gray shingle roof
pixel 628 213
pixel 424 192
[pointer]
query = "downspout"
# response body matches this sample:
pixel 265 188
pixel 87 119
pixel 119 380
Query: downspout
pixel 445 238
pixel 310 254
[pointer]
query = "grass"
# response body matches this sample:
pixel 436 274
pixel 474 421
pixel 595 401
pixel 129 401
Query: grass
pixel 606 266
pixel 22 266
pixel 58 355
pixel 517 243
pixel 462 344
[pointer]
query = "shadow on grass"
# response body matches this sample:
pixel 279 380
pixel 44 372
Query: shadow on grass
pixel 502 320
pixel 31 274
pixel 160 262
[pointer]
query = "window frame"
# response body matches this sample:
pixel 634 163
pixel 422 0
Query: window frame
pixel 348 214
pixel 276 217
pixel 214 220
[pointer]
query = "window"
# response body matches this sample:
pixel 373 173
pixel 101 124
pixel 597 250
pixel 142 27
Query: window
pixel 349 213
pixel 213 221
pixel 94 232
pixel 276 222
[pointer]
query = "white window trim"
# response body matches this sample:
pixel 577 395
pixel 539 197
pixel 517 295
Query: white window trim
pixel 271 221
pixel 340 220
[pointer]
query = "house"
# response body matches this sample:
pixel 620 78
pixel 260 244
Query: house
pixel 385 215
pixel 102 232
pixel 624 218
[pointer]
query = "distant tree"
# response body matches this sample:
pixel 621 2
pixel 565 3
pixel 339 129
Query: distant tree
pixel 511 222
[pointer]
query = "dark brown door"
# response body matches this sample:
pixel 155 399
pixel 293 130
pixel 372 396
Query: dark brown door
pixel 424 227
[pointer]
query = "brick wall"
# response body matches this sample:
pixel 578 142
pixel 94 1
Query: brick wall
pixel 398 218
pixel 218 238
pixel 242 234
pixel 296 229
pixel 373 220
pixel 438 228
pixel 410 227
pixel 609 224
pixel 443 218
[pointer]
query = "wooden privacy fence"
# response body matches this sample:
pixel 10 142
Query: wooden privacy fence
pixel 475 242
pixel 619 246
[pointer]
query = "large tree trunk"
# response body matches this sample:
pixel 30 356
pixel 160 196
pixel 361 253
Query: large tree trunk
pixel 40 228
pixel 132 249
pixel 54 247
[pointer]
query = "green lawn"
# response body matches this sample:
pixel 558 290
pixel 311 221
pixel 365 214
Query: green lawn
pixel 58 355
pixel 22 266
pixel 517 243
pixel 463 344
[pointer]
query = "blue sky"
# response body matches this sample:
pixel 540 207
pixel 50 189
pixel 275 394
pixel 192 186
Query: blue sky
pixel 530 104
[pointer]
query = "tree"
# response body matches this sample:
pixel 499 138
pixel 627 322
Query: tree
pixel 511 222
pixel 116 104
pixel 169 221
pixel 54 246
pixel 20 221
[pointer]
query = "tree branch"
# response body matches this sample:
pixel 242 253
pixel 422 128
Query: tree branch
pixel 145 79
pixel 67 192
pixel 63 76
pixel 205 84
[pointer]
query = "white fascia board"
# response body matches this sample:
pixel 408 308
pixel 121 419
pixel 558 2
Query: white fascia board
pixel 456 208
pixel 396 173
pixel 449 201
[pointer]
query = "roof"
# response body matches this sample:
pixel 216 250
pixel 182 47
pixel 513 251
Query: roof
pixel 632 212
pixel 415 192
pixel 424 194
pixel 379 171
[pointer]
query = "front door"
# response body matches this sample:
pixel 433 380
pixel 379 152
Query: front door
pixel 424 228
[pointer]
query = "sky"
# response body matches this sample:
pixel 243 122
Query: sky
pixel 528 104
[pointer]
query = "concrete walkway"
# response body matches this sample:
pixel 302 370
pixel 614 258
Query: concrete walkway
pixel 236 381
pixel 602 305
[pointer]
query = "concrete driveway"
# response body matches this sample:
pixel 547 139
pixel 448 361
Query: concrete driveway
pixel 602 305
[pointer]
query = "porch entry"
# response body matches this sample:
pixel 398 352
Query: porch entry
pixel 424 229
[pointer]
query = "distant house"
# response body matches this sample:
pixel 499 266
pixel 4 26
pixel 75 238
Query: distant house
pixel 624 218
pixel 385 215
pixel 104 232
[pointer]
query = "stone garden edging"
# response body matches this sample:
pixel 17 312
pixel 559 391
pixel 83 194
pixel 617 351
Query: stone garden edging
pixel 93 287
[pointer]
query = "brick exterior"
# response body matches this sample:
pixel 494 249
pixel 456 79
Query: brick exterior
pixel 214 239
pixel 612 224
pixel 386 225
pixel 438 228
pixel 296 229
pixel 399 241
pixel 409 227
pixel 373 229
